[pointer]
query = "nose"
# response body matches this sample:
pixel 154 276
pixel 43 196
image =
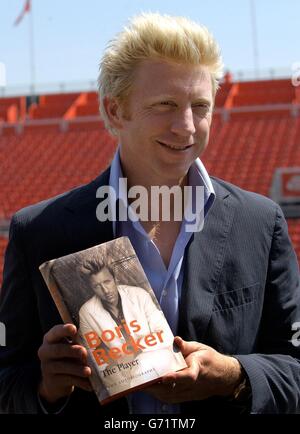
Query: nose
pixel 105 289
pixel 183 122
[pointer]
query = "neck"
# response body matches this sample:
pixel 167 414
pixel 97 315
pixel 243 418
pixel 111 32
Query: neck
pixel 146 177
pixel 153 198
pixel 112 309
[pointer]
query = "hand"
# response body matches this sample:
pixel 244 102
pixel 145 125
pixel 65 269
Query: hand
pixel 63 364
pixel 208 373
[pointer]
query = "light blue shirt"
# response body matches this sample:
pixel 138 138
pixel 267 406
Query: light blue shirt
pixel 165 282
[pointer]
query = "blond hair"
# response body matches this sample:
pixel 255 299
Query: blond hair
pixel 155 36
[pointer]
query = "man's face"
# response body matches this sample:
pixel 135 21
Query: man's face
pixel 104 286
pixel 166 123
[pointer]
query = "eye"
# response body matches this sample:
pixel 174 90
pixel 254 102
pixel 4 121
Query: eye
pixel 202 105
pixel 164 105
pixel 202 109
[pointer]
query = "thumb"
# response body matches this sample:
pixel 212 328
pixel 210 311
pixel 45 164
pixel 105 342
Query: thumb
pixel 186 347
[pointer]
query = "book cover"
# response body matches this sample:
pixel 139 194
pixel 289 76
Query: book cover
pixel 104 291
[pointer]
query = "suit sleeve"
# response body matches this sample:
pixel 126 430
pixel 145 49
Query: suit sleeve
pixel 274 372
pixel 19 364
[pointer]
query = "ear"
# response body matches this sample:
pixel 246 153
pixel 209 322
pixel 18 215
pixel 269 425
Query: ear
pixel 114 112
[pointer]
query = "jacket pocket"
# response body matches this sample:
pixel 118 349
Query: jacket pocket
pixel 237 297
pixel 235 320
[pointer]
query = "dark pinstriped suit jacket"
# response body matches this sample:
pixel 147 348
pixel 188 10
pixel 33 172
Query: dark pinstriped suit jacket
pixel 240 295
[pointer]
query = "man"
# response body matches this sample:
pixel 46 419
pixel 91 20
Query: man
pixel 230 291
pixel 110 308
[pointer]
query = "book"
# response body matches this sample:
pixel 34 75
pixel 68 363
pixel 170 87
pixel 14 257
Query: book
pixel 104 291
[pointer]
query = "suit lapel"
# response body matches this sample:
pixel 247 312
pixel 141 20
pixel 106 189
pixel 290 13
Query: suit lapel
pixel 81 227
pixel 203 265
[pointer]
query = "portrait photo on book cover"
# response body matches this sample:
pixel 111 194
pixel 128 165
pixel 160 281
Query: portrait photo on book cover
pixel 120 321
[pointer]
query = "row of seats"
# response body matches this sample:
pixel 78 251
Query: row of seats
pixel 35 166
pixel 12 109
pixel 244 152
pixel 250 99
pixel 72 105
pixel 247 152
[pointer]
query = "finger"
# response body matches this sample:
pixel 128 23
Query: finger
pixel 169 378
pixel 70 380
pixel 185 377
pixel 66 368
pixel 59 332
pixel 187 347
pixel 62 351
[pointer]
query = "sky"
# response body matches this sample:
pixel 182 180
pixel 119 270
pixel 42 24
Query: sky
pixel 70 35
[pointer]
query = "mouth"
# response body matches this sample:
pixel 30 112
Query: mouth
pixel 109 300
pixel 109 297
pixel 178 148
